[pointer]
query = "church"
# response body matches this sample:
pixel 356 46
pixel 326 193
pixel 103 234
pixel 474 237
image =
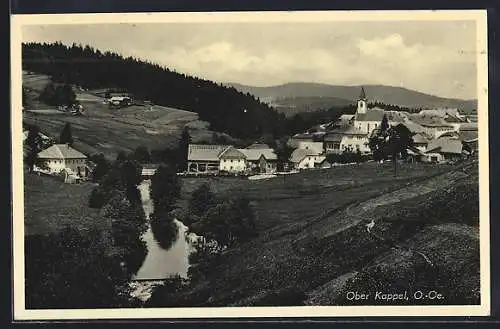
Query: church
pixel 353 135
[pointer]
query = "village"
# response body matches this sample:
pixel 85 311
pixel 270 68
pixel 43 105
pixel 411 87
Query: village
pixel 148 184
pixel 441 135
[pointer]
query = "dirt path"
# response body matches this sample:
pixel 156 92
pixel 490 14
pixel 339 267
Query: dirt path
pixel 358 212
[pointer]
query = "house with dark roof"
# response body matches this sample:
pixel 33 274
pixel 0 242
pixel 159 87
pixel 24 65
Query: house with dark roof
pixel 63 158
pixel 433 126
pixel 420 141
pixel 445 149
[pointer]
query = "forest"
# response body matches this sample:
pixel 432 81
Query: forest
pixel 238 114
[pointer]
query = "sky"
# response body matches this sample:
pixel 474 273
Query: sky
pixel 434 57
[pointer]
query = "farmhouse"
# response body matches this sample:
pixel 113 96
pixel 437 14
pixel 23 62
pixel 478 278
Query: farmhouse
pixel 444 149
pixel 260 158
pixel 433 126
pixel 62 157
pixel 117 101
pixel 306 159
pixel 346 139
pixel 232 160
pixel 226 158
pixel 204 158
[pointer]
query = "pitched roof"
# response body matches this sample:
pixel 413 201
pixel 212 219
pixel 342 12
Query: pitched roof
pixel 426 121
pixel 303 136
pixel 255 154
pixel 445 145
pixel 299 154
pixel 26 133
pixel 441 112
pixel 468 136
pixel 362 95
pixel 150 166
pixel 333 137
pixel 453 119
pixel 395 116
pixel 374 114
pixel 469 126
pixel 231 153
pixel 413 127
pixel 420 139
pixel 349 130
pixel 320 159
pixel 346 117
pixel 199 152
pixel 61 151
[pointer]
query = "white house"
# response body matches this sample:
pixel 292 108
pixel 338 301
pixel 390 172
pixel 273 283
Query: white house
pixel 260 157
pixel 308 145
pixel 305 158
pixel 232 160
pixel 346 139
pixel 61 157
pixel 216 158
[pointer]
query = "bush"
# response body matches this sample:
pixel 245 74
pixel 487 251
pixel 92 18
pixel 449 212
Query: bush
pixel 347 157
pixel 228 222
pixel 128 223
pixel 201 200
pixel 70 270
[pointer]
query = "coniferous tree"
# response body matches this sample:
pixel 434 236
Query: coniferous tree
pixel 33 143
pixel 384 125
pixel 183 149
pixel 142 155
pixel 66 136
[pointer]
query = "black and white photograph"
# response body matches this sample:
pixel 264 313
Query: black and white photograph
pixel 279 164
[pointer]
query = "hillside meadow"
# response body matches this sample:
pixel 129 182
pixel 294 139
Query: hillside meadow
pixel 313 244
pixel 109 131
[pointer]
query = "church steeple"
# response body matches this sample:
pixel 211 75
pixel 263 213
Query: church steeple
pixel 362 106
pixel 362 95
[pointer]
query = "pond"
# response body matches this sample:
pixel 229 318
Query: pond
pixel 160 263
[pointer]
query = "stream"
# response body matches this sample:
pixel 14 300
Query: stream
pixel 160 263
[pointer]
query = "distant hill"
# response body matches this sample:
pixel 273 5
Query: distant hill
pixel 284 95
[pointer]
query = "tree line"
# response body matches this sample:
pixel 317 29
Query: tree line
pixel 228 110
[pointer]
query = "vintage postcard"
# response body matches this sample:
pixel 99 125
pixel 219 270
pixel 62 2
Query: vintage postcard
pixel 252 164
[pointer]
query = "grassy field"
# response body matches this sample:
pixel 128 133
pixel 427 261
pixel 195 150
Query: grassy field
pixel 313 243
pixel 108 131
pixel 50 205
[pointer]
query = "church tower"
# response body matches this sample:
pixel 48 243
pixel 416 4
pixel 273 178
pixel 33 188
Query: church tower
pixel 362 102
